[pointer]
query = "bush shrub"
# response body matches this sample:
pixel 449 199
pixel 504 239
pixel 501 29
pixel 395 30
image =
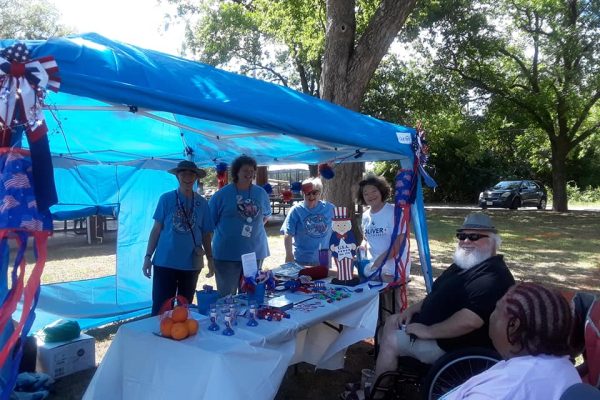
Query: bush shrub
pixel 587 195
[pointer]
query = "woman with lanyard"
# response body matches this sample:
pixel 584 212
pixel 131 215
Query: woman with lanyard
pixel 239 210
pixel 181 235
pixel 307 227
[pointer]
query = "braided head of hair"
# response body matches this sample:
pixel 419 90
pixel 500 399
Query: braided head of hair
pixel 539 320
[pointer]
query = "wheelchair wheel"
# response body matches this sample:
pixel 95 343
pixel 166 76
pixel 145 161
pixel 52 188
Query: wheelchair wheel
pixel 455 368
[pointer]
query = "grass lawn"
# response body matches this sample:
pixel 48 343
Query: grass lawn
pixel 558 249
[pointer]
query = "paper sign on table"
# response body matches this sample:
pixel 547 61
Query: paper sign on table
pixel 249 265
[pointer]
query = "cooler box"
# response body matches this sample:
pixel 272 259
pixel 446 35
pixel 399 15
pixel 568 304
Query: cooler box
pixel 64 358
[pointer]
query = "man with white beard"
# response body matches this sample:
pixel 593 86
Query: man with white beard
pixel 456 313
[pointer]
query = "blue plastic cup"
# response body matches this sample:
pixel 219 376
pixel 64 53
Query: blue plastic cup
pixel 324 258
pixel 205 299
pixel 259 294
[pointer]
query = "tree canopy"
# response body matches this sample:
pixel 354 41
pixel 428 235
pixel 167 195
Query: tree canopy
pixel 539 58
pixel 34 19
pixel 280 42
pixel 505 88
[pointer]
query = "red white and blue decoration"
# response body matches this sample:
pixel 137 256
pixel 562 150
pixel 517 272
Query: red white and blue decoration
pixel 343 247
pixel 421 149
pixel 221 169
pixel 268 188
pixel 296 187
pixel 26 193
pixel 248 283
pixel 326 170
pixel 405 190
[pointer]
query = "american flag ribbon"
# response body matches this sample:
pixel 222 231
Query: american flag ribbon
pixel 17 181
pixel 33 225
pixel 8 202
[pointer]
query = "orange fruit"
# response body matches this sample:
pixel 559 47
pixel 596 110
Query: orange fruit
pixel 179 314
pixel 179 331
pixel 165 326
pixel 192 326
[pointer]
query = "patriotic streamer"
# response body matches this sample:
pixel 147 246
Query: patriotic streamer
pixel 405 192
pixel 421 150
pixel 20 220
pixel 26 192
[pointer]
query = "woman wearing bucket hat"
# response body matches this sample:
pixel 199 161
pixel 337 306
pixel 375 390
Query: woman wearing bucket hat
pixel 180 237
pixel 239 210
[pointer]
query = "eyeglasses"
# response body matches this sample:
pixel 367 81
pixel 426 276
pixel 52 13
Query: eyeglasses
pixel 473 237
pixel 313 193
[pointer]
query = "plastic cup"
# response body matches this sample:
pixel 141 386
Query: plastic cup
pixel 367 377
pixel 324 258
pixel 259 294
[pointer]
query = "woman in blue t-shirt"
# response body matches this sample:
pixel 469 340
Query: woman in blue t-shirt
pixel 239 211
pixel 181 233
pixel 307 227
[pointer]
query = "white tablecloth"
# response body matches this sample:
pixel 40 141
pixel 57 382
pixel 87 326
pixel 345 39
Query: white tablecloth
pixel 248 365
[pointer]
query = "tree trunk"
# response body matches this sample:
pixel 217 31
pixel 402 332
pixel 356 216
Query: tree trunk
pixel 348 65
pixel 559 175
pixel 262 175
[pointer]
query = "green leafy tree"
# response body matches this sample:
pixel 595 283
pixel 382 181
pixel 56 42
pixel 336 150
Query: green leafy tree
pixel 281 42
pixel 33 19
pixel 540 57
pixel 337 44
pixel 408 92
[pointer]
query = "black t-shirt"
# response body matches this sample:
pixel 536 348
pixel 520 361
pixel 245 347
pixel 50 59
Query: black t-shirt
pixel 476 289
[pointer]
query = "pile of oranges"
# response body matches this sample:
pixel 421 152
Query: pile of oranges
pixel 178 325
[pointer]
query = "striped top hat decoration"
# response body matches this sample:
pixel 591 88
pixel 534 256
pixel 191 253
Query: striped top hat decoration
pixel 340 213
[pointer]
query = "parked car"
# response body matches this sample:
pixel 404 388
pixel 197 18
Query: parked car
pixel 514 194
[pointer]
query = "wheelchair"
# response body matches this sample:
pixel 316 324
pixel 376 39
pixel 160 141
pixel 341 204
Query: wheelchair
pixel 432 381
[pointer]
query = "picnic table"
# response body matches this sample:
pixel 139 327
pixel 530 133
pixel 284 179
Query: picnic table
pixel 279 205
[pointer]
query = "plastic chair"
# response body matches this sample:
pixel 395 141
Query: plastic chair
pixel 581 391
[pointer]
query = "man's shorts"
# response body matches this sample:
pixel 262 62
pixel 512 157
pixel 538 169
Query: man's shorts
pixel 425 350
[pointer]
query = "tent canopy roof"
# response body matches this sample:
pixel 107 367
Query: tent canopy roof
pixel 119 103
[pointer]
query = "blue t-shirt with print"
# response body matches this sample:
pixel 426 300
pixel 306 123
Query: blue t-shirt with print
pixel 311 229
pixel 175 246
pixel 239 227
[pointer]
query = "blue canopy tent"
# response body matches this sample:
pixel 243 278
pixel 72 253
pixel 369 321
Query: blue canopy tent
pixel 124 115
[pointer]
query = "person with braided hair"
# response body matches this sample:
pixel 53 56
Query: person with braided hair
pixel 529 327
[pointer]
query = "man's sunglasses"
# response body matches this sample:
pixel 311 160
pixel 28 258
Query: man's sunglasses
pixel 473 237
pixel 314 193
